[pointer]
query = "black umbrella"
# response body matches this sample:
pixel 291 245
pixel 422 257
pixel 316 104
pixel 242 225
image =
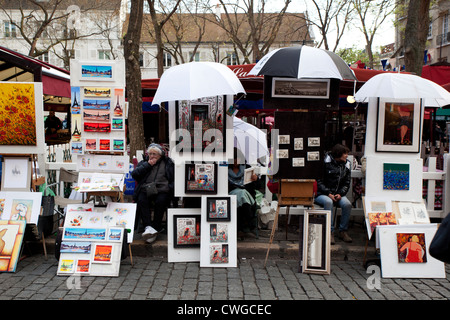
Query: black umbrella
pixel 303 62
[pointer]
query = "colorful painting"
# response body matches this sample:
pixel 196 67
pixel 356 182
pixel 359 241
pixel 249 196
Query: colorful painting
pixel 94 104
pixel 103 253
pixel 83 266
pixel 21 210
pixel 201 178
pixel 187 231
pixel 97 127
pixel 75 100
pixel 96 115
pixel 115 234
pixel 11 237
pixel 66 266
pixel 97 92
pixel 117 124
pixel 218 209
pixel 411 248
pixel 381 219
pixel 104 144
pixel 395 176
pixel 75 247
pixel 17 114
pixel 96 72
pixel 90 145
pixel 73 233
pixel 218 253
pixel 118 145
pixel 118 109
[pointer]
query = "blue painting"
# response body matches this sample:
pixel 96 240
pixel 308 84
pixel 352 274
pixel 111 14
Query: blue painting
pixel 395 176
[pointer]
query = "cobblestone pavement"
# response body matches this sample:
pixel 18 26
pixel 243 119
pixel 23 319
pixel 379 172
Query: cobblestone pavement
pixel 153 278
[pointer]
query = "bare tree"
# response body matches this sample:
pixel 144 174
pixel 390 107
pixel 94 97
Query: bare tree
pixel 371 15
pixel 330 17
pixel 249 27
pixel 133 77
pixel 416 31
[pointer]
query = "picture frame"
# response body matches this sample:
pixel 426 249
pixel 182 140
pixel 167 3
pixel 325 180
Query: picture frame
pixel 398 125
pixel 16 174
pixel 186 232
pixel 248 173
pixel 201 178
pixel 103 253
pixel 218 209
pixel 97 72
pixel 300 88
pixel 316 246
pixel 211 112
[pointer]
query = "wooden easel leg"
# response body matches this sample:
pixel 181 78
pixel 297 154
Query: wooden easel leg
pixel 287 220
pixel 44 245
pixel 272 234
pixel 131 254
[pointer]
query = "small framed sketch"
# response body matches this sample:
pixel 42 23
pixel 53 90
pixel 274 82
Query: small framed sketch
pixel 218 209
pixel 314 142
pixel 316 241
pixel 313 156
pixel 16 174
pixel 284 139
pixel 282 153
pixel 298 143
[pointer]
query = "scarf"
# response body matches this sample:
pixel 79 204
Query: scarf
pixel 236 178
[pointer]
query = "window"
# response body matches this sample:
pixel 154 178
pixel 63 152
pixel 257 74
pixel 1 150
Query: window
pixel 430 31
pixel 194 57
pixel 44 57
pixel 167 59
pixel 231 58
pixel 104 55
pixel 9 30
pixel 141 59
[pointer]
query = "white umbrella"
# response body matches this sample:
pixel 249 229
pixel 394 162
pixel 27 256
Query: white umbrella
pixel 250 140
pixel 195 80
pixel 403 86
pixel 303 62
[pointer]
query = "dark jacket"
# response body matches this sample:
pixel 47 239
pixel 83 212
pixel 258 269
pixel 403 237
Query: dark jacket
pixel 143 170
pixel 336 178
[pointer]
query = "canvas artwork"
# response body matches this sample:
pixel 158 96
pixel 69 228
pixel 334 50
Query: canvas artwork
pixel 119 103
pixel 23 206
pixel 96 72
pixel 11 238
pixel 300 88
pixel 66 266
pixel 75 100
pixel 83 266
pixel 118 124
pixel 90 145
pixel 17 114
pixel 103 253
pixel 75 247
pixel 97 92
pixel 381 219
pixel 201 178
pixel 396 176
pixel 218 209
pixel 411 248
pixel 84 234
pixel 186 231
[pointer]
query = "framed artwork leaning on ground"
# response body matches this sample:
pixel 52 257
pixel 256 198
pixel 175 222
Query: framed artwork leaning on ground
pixel 398 125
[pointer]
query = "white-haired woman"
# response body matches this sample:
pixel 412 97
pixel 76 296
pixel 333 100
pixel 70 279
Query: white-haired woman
pixel 154 190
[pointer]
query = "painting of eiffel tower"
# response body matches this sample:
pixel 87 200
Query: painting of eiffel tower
pixel 75 106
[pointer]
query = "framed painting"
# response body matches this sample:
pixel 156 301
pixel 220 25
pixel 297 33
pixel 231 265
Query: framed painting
pixel 201 178
pixel 218 209
pixel 316 242
pixel 398 125
pixel 176 250
pixel 300 88
pixel 411 248
pixel 201 124
pixel 103 253
pixel 16 174
pixel 396 176
pixel 186 233
pixel 84 234
pixel 96 72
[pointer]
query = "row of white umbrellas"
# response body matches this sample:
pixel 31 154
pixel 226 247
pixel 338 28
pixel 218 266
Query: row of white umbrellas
pixel 196 80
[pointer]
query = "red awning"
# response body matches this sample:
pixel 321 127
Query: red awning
pixel 438 74
pixel 54 86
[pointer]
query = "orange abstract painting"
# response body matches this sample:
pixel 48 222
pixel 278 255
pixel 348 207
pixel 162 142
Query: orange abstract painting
pixel 17 114
pixel 11 237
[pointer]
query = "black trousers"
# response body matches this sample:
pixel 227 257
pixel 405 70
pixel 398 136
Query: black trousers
pixel 159 203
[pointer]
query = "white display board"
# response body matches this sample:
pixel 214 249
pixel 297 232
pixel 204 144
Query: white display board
pixel 218 246
pixel 392 262
pixel 180 254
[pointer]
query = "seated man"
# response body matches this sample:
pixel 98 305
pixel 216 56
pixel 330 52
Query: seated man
pixel 334 185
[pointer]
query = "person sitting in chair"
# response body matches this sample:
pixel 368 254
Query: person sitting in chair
pixel 333 187
pixel 245 196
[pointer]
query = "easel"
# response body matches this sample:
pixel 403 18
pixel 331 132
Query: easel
pixel 292 192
